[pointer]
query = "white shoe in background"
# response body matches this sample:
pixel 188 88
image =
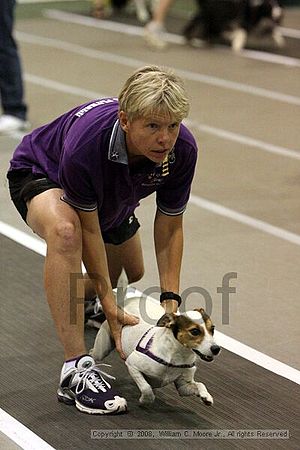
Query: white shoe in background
pixel 142 12
pixel 153 36
pixel 9 124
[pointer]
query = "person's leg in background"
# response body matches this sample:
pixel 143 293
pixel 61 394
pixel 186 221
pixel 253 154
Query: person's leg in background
pixel 155 27
pixel 11 81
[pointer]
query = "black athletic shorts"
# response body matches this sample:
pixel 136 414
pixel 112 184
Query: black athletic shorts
pixel 24 185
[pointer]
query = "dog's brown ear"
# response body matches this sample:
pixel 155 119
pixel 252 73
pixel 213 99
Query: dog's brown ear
pixel 203 314
pixel 206 319
pixel 167 320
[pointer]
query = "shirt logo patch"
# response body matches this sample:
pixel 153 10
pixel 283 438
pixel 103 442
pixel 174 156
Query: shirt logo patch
pixel 154 179
pixel 114 155
pixel 93 105
pixel 171 157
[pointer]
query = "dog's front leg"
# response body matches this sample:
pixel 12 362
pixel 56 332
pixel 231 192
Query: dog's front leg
pixel 278 38
pixel 145 388
pixel 186 385
pixel 204 394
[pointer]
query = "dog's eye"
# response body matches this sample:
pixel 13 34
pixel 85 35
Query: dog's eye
pixel 212 329
pixel 195 331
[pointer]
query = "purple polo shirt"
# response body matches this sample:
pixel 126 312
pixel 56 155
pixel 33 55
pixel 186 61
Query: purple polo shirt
pixel 84 151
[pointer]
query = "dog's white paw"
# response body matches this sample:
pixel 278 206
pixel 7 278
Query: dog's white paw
pixel 278 38
pixel 238 40
pixel 147 397
pixel 204 394
pixel 207 399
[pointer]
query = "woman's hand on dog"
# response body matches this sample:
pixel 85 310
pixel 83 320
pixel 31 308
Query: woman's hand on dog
pixel 117 318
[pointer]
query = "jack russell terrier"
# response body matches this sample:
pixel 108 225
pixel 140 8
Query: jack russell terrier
pixel 157 355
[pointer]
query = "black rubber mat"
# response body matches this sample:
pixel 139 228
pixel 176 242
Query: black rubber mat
pixel 246 396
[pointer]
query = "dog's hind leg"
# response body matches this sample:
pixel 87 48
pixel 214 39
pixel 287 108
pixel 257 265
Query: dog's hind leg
pixel 103 344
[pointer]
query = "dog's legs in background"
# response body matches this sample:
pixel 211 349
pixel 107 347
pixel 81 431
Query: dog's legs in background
pixel 103 344
pixel 278 38
pixel 237 38
pixel 186 386
pixel 145 388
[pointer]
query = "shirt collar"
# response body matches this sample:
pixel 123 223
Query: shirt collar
pixel 117 145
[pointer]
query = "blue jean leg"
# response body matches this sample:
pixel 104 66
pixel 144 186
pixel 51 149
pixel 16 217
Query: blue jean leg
pixel 11 83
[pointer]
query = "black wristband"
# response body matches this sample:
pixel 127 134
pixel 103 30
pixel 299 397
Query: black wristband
pixel 170 296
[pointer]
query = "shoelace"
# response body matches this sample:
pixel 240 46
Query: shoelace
pixel 97 306
pixel 94 375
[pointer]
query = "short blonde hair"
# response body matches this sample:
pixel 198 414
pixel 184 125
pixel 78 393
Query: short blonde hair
pixel 151 90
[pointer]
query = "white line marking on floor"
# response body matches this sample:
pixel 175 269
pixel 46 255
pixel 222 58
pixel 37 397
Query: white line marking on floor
pixel 20 434
pixel 270 57
pixel 27 240
pixel 226 342
pixel 245 140
pixel 61 87
pixel 290 32
pixel 258 358
pixel 246 220
pixel 131 62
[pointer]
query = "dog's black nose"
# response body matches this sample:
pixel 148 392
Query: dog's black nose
pixel 215 349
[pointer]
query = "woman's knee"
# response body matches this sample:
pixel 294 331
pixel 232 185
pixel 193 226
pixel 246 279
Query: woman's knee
pixel 65 235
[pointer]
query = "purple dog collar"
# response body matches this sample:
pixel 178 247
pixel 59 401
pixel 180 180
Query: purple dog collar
pixel 146 351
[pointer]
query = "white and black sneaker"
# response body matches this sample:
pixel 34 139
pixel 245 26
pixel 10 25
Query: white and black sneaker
pixel 93 313
pixel 85 386
pixel 10 124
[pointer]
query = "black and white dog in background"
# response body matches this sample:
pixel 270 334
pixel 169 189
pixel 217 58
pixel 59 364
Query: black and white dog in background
pixel 235 20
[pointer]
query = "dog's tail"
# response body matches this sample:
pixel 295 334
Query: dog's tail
pixel 103 344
